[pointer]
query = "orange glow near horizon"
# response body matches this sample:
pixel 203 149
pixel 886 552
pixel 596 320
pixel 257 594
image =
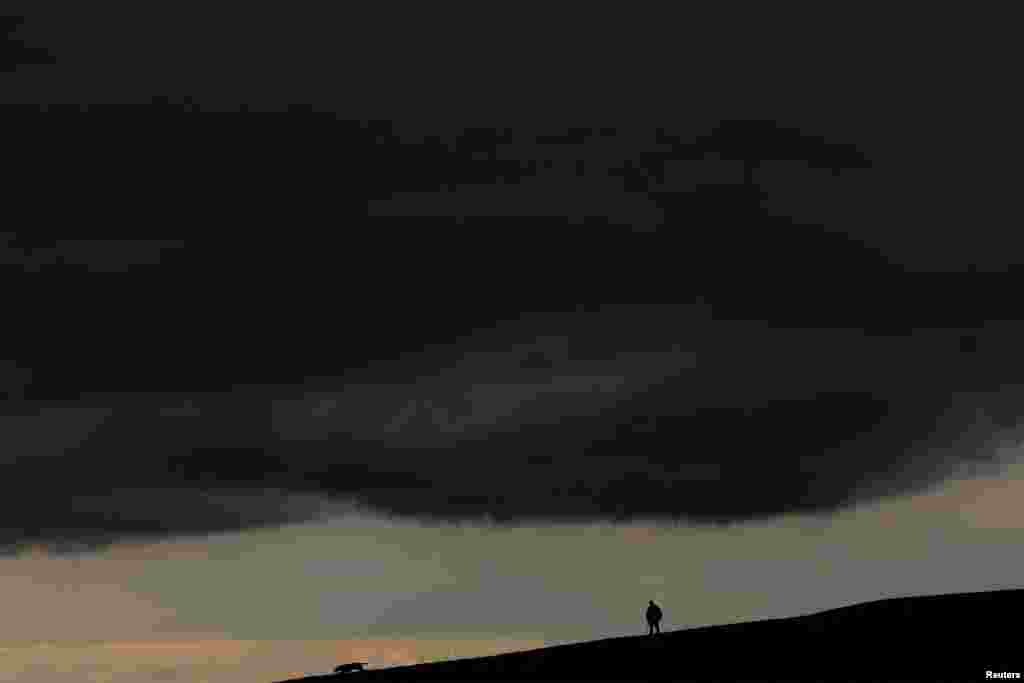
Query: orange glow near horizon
pixel 229 661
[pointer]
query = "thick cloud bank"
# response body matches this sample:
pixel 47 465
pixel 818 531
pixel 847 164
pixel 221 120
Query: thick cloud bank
pixel 620 413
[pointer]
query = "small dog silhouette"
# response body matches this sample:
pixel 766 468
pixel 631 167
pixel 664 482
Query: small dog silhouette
pixel 351 666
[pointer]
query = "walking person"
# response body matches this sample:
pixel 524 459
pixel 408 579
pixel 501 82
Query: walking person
pixel 654 615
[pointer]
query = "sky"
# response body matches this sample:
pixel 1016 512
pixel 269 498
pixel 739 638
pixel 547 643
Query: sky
pixel 295 370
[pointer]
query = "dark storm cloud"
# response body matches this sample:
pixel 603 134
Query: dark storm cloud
pixel 14 52
pixel 626 412
pixel 482 393
pixel 58 491
pixel 337 356
pixel 755 422
pixel 96 255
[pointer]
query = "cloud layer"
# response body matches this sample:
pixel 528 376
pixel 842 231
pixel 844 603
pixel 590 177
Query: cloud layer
pixel 627 412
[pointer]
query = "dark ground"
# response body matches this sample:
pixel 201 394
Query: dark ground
pixel 931 638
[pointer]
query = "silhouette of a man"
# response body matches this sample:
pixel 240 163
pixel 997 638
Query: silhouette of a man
pixel 653 618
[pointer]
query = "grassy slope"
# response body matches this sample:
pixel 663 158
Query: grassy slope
pixel 945 637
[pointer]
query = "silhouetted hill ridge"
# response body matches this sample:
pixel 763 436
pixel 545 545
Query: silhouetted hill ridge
pixel 955 637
